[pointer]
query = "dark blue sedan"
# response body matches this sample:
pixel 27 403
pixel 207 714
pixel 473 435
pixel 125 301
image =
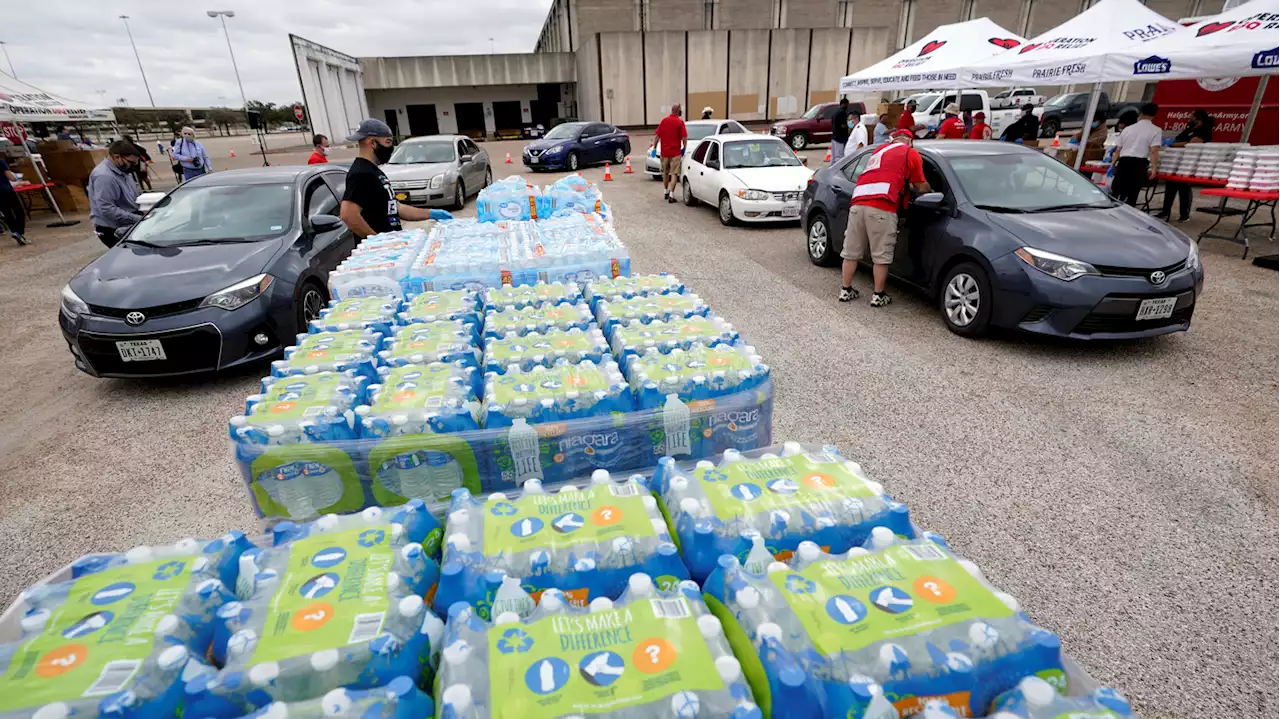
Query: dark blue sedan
pixel 1012 238
pixel 575 145
pixel 223 271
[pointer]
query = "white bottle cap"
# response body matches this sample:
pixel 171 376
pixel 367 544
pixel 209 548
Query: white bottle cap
pixel 659 525
pixel 551 601
pixel 411 606
pixel 327 523
pixel 704 464
pixel 748 598
pixel 768 455
pixel 457 652
pixel 568 488
pixel 775 567
pixel 640 585
pixel 173 658
pixel 710 626
pixel 531 486
pixel 334 704
pixel 459 541
pixel 372 514
pixel 1037 691
pixel 888 656
pixel 241 642
pixel 507 618
pixel 858 552
pixel 809 551
pixel 1009 601
pixel 262 674
pixel 499 496
pixel 280 710
pixel 729 668
pixel 393 581
pixel 601 604
pixel 186 546
pixel 138 555
pixel 769 630
pixel 462 516
pixel 882 538
pixel 650 504
pixel 168 624
pixel 731 455
pixel 690 506
pixel 34 622
pixel 972 568
pixel 324 660
pixel 679 483
pixel 601 476
pixel 458 696
pixel 56 710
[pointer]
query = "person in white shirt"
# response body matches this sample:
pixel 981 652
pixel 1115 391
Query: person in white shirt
pixel 860 134
pixel 1135 157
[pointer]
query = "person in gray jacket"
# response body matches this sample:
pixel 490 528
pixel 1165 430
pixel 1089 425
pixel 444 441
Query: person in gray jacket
pixel 113 192
pixel 191 155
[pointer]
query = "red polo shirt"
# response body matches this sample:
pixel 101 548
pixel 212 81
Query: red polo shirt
pixel 669 133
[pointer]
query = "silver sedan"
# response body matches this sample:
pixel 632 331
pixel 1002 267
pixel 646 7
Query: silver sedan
pixel 438 171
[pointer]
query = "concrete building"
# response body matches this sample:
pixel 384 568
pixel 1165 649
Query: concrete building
pixel 626 61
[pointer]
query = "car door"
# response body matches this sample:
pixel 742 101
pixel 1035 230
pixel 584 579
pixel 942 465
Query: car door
pixel 694 170
pixel 709 173
pixel 601 148
pixel 480 160
pixel 843 180
pixel 322 250
pixel 924 233
pixel 822 133
pixel 466 167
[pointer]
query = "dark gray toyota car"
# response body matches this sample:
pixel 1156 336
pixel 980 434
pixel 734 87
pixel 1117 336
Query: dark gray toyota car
pixel 1015 239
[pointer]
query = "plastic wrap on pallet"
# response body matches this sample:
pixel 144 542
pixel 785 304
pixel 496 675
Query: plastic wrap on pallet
pixel 304 408
pixel 649 309
pixel 693 374
pixel 542 318
pixel 439 306
pixel 400 698
pixel 544 349
pixel 509 297
pixel 357 313
pixel 339 351
pixel 425 342
pixel 637 336
pixel 611 289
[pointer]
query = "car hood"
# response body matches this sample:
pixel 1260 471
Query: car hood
pixel 545 144
pixel 129 276
pixel 1117 236
pixel 773 179
pixel 421 171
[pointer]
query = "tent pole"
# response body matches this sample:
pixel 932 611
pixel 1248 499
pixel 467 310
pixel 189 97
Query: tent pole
pixel 62 221
pixel 1087 125
pixel 1253 110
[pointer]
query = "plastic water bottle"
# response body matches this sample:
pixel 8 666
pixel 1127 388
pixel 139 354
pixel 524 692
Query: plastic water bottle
pixel 421 399
pixel 639 337
pixel 611 289
pixel 555 394
pixel 544 349
pixel 697 373
pixel 441 306
pixel 542 318
pixel 342 351
pixel 307 408
pixel 423 343
pixel 1035 698
pixel 400 698
pixel 649 309
pixel 357 313
pixel 542 293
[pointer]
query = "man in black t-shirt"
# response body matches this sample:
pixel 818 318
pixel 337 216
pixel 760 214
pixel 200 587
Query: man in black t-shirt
pixel 369 205
pixel 839 130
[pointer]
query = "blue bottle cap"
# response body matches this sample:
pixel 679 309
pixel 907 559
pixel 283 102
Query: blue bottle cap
pixel 791 676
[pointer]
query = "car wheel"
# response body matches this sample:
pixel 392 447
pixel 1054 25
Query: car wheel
pixel 689 199
pixel 822 250
pixel 726 210
pixel 619 156
pixel 965 300
pixel 488 177
pixel 798 141
pixel 311 300
pixel 459 196
pixel 572 162
pixel 1049 128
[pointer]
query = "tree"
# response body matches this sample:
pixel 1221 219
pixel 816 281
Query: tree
pixel 224 119
pixel 274 115
pixel 132 119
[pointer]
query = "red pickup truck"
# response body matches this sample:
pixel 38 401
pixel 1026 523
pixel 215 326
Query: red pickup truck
pixel 814 126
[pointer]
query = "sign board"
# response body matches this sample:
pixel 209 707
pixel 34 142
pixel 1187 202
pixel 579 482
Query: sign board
pixel 297 112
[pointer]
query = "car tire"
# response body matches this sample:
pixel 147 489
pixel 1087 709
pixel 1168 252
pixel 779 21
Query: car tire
pixel 965 300
pixel 619 156
pixel 488 177
pixel 312 298
pixel 724 209
pixel 1049 128
pixel 571 162
pixel 656 177
pixel 687 192
pixel 798 141
pixel 819 244
pixel 459 196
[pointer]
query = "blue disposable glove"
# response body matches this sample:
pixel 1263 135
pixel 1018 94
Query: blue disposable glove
pixel 441 215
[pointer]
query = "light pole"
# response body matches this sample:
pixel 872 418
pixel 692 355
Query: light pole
pixel 222 16
pixel 8 59
pixel 138 57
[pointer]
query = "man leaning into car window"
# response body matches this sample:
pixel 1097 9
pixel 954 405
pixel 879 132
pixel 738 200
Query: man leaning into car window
pixel 113 192
pixel 369 205
pixel 873 212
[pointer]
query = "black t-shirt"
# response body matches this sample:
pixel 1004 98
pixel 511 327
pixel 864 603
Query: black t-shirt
pixel 840 126
pixel 1204 132
pixel 371 190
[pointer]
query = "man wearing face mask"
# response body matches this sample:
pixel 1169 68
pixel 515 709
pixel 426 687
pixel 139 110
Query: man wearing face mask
pixel 369 206
pixel 321 154
pixel 113 192
pixel 191 155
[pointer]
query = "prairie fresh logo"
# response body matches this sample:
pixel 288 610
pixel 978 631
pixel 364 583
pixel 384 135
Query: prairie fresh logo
pixel 1266 59
pixel 1153 65
pixel 1148 32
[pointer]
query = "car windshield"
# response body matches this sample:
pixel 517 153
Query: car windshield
pixel 417 153
pixel 1057 100
pixel 1025 182
pixel 924 101
pixel 217 213
pixel 699 132
pixel 567 131
pixel 813 112
pixel 762 153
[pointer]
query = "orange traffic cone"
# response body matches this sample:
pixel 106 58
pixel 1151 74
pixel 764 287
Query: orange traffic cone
pixel 608 176
pixel 233 152
pixel 828 157
pixel 508 158
pixel 627 171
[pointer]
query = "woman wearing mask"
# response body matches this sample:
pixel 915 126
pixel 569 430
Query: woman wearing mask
pixel 191 155
pixel 1199 129
pixel 321 154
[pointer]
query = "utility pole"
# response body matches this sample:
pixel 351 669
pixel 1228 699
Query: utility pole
pixel 136 56
pixel 8 59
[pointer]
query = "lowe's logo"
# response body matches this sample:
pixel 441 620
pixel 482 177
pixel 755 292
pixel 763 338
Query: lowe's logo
pixel 1154 65
pixel 1267 59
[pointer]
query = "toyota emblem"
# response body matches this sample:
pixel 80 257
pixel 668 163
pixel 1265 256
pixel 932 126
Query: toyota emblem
pixel 137 318
pixel 1157 277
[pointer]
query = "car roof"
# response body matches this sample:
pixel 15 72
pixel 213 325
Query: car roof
pixel 743 136
pixel 969 148
pixel 708 121
pixel 256 175
pixel 435 138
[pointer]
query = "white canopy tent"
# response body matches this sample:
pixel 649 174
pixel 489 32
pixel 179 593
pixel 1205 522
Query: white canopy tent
pixel 20 102
pixel 1075 51
pixel 935 60
pixel 1241 41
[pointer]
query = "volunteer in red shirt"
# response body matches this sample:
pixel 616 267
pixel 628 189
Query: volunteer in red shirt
pixel 672 138
pixel 951 128
pixel 907 121
pixel 873 214
pixel 981 130
pixel 321 154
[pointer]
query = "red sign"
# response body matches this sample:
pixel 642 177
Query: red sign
pixel 297 112
pixel 1227 100
pixel 13 132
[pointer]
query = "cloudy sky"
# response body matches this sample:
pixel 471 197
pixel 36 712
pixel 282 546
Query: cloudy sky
pixel 78 48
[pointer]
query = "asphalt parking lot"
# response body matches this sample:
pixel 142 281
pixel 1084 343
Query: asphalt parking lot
pixel 1125 493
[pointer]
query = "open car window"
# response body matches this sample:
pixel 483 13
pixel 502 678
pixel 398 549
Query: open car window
pixel 758 153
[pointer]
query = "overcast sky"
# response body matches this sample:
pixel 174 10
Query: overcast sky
pixel 77 48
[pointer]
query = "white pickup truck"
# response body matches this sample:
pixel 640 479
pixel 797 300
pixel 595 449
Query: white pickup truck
pixel 928 115
pixel 1016 97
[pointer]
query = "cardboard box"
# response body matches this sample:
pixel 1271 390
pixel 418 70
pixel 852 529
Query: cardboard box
pixel 1091 154
pixel 72 168
pixel 44 146
pixel 71 198
pixel 893 109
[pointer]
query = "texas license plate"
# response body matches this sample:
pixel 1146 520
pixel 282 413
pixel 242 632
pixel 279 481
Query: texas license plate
pixel 791 210
pixel 402 196
pixel 533 160
pixel 1156 309
pixel 140 350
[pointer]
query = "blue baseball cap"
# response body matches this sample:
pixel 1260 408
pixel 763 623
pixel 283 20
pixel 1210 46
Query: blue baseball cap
pixel 370 128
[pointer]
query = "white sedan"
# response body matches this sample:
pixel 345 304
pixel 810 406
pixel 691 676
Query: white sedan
pixel 749 178
pixel 698 130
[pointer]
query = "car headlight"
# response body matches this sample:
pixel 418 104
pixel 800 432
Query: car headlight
pixel 437 182
pixel 753 195
pixel 1064 268
pixel 554 150
pixel 239 294
pixel 72 306
pixel 1193 256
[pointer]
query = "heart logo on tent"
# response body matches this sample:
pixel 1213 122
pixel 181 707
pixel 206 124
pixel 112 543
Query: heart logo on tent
pixel 1212 27
pixel 1030 47
pixel 931 46
pixel 1004 42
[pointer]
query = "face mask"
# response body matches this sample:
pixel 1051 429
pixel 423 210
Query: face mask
pixel 382 152
pixel 324 151
pixel 1095 125
pixel 189 138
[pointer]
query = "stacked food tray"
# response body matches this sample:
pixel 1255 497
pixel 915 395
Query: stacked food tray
pixel 386 400
pixel 778 582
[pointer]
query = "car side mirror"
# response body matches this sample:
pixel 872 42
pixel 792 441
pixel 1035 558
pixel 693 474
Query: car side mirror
pixel 931 201
pixel 466 158
pixel 321 222
pixel 804 161
pixel 713 164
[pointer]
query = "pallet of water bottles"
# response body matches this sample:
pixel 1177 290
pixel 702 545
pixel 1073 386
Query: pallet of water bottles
pixel 385 400
pixel 779 582
pixel 571 239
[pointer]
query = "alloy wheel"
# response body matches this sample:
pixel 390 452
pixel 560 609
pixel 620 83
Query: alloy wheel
pixel 726 209
pixel 573 161
pixel 962 299
pixel 312 304
pixel 817 239
pixel 619 156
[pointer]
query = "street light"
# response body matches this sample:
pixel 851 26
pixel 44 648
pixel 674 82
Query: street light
pixel 222 16
pixel 8 59
pixel 138 57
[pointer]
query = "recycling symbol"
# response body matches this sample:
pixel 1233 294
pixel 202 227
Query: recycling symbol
pixel 515 640
pixel 503 509
pixel 372 537
pixel 169 570
pixel 797 584
pixel 714 475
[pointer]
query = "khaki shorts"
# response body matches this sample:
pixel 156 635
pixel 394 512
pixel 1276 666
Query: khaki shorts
pixel 870 226
pixel 670 168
